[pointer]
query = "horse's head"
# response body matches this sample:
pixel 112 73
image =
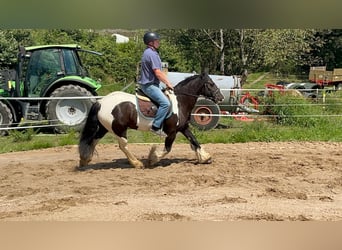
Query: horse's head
pixel 210 89
pixel 199 85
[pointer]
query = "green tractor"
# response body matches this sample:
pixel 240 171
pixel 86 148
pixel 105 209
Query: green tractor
pixel 50 85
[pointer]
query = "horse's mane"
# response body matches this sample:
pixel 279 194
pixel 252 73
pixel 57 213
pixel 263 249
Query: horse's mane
pixel 186 80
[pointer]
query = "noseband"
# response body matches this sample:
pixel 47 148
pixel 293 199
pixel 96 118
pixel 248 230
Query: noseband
pixel 214 94
pixel 206 91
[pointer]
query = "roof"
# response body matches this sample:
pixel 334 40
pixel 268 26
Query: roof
pixel 71 46
pixel 120 38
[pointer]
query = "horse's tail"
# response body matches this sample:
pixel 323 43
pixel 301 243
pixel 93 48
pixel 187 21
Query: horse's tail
pixel 88 141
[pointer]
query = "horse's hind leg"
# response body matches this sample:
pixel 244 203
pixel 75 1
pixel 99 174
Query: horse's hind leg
pixel 131 158
pixel 86 153
pixel 156 155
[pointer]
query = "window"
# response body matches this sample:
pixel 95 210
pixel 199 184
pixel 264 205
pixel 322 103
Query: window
pixel 69 62
pixel 43 68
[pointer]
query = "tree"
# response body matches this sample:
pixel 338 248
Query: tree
pixel 282 50
pixel 8 48
pixel 327 49
pixel 217 51
pixel 205 49
pixel 193 47
pixel 218 41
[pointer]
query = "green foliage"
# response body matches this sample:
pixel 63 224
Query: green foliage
pixel 29 140
pixel 292 110
pixel 8 49
pixel 326 49
pixel 9 42
pixel 257 131
pixel 176 59
pixel 333 102
pixel 69 139
pixel 22 136
pixel 188 45
pixel 126 62
pixel 186 50
pixel 282 50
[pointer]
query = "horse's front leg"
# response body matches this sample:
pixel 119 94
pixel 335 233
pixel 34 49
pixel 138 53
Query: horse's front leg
pixel 201 154
pixel 156 155
pixel 131 158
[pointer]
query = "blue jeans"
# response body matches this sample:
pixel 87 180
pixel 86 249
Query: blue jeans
pixel 153 91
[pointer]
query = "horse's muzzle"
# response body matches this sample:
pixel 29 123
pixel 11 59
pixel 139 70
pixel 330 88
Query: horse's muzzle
pixel 218 97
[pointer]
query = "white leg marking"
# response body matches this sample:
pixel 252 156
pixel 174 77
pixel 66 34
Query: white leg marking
pixel 131 158
pixel 155 155
pixel 203 156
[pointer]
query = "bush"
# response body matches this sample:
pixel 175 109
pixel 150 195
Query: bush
pixel 22 136
pixel 286 109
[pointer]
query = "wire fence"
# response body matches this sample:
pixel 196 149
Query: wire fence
pixel 323 99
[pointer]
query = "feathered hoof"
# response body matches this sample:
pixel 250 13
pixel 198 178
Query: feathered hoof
pixel 203 157
pixel 153 158
pixel 206 161
pixel 137 164
pixel 83 163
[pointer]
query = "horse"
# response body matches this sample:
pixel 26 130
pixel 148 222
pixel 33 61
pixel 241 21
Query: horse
pixel 118 111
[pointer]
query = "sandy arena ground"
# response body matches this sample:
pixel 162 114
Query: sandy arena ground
pixel 288 181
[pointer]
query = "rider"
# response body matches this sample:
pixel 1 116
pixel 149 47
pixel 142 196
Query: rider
pixel 150 76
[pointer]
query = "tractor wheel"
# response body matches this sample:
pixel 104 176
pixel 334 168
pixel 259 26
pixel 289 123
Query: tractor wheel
pixel 205 114
pixel 249 101
pixel 6 118
pixel 68 113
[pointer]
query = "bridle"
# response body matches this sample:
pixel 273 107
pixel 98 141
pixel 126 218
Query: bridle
pixel 187 94
pixel 206 90
pixel 214 94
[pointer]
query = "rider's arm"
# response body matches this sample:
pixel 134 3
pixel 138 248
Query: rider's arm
pixel 163 78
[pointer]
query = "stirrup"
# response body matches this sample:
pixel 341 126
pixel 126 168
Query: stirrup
pixel 158 132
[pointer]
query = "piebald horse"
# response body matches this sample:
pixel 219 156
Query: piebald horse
pixel 118 111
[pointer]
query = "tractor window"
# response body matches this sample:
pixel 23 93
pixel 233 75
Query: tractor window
pixel 70 63
pixel 50 62
pixel 43 69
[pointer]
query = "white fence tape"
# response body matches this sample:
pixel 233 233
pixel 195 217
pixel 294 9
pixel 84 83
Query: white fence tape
pixel 52 98
pixel 222 114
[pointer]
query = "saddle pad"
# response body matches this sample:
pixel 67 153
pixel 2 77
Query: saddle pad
pixel 149 109
pixel 146 107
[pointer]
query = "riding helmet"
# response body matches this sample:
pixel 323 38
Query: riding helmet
pixel 150 37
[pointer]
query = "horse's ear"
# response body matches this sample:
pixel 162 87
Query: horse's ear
pixel 205 71
pixel 204 74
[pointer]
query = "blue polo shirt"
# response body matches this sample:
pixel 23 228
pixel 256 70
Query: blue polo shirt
pixel 150 60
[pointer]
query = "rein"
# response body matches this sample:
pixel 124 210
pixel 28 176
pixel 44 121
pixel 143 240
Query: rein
pixel 216 91
pixel 187 94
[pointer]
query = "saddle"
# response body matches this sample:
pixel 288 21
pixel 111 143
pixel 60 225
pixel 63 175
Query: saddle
pixel 146 106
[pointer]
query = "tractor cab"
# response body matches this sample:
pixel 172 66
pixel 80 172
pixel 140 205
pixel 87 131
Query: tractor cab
pixel 42 66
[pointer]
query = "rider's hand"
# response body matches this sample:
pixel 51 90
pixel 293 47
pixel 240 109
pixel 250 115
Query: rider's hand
pixel 169 87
